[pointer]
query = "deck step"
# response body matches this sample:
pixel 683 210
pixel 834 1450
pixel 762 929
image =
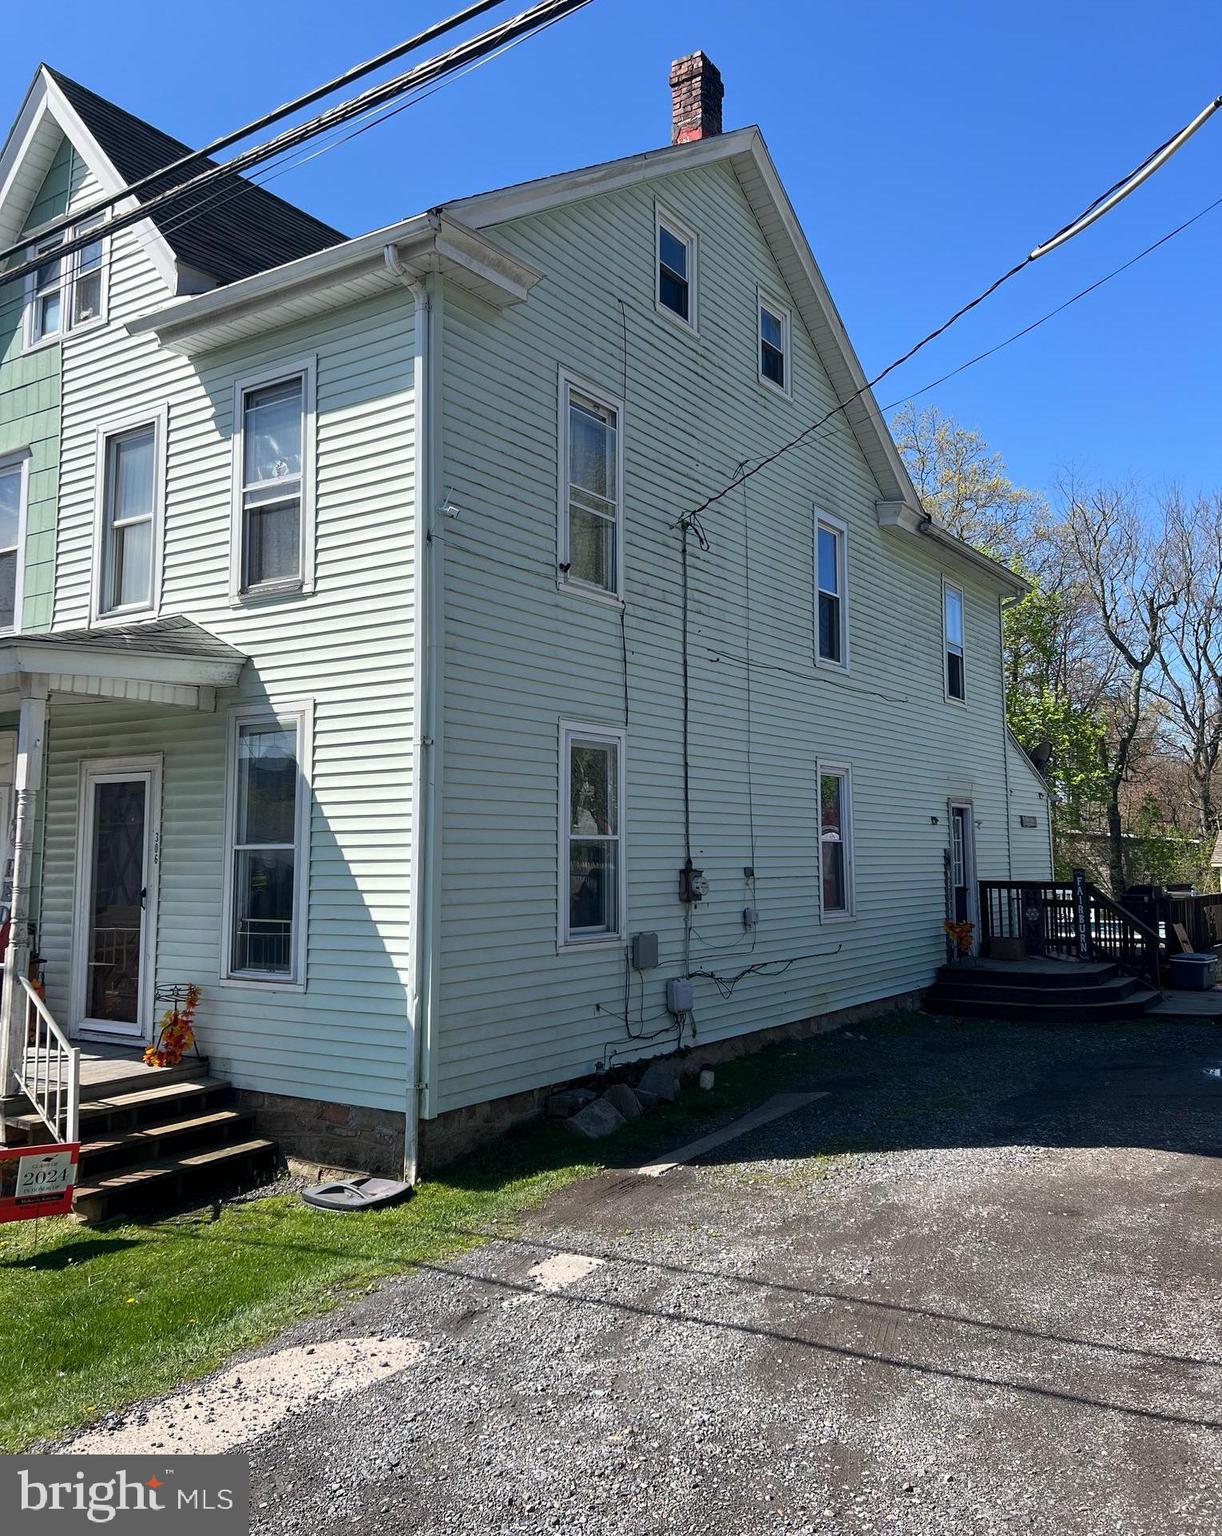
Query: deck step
pixel 1115 989
pixel 164 1180
pixel 1051 1009
pixel 1050 974
pixel 147 1140
pixel 137 1106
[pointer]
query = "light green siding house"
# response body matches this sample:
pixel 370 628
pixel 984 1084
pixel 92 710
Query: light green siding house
pixel 401 673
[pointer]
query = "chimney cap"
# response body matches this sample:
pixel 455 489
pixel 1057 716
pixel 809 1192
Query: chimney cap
pixel 697 93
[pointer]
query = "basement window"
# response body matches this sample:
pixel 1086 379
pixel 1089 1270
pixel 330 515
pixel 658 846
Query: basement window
pixel 676 269
pixel 952 623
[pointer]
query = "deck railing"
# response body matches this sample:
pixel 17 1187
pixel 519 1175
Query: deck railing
pixel 1073 919
pixel 50 1070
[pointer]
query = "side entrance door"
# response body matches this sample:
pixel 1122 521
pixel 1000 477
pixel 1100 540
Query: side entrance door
pixel 962 862
pixel 118 851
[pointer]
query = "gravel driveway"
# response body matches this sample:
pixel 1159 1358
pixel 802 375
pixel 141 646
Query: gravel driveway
pixel 974 1289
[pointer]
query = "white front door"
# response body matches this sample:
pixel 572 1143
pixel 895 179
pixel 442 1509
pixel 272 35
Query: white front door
pixel 118 848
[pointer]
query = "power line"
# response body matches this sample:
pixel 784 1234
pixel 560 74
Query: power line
pixel 358 71
pixel 1093 211
pixel 532 20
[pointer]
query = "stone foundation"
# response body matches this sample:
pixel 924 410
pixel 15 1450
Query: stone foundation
pixel 322 1139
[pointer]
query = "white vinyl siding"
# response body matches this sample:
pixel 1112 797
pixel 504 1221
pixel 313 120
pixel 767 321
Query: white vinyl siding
pixel 14 500
pixel 592 861
pixel 519 655
pixel 591 489
pixel 349 648
pixel 273 479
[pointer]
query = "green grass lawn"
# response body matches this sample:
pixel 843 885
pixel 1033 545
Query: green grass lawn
pixel 95 1318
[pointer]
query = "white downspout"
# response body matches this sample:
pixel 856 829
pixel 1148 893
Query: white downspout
pixel 426 689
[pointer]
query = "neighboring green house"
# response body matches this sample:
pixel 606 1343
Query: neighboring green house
pixel 390 695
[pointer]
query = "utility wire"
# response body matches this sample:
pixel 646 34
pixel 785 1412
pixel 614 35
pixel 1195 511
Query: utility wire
pixel 1093 211
pixel 357 72
pixel 529 21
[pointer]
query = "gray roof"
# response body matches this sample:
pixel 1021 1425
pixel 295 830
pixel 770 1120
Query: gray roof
pixel 240 228
pixel 177 637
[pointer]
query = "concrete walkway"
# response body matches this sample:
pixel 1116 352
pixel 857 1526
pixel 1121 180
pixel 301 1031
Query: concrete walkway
pixel 973 1289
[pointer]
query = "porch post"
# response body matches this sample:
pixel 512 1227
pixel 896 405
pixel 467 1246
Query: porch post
pixel 27 790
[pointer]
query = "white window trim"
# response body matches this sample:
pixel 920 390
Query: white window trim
pixel 570 730
pixel 300 715
pixel 158 418
pixel 840 528
pixel 20 461
pixel 845 773
pixel 569 383
pixel 680 228
pixel 765 300
pixel 953 586
pixel 305 368
pixel 67 289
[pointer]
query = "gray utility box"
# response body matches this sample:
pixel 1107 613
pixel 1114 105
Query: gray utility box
pixel 1194 973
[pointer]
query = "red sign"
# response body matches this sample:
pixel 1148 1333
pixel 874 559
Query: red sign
pixel 42 1182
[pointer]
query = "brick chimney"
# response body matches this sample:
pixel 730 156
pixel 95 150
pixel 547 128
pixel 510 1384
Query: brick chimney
pixel 696 95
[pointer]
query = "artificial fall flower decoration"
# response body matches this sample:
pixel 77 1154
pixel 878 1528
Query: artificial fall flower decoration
pixel 175 1036
pixel 961 933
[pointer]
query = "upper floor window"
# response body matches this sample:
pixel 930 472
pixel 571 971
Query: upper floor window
pixel 273 482
pixel 66 292
pixel 832 626
pixel 952 618
pixel 591 473
pixel 676 261
pixel 774 327
pixel 14 482
pixel 592 856
pixel 131 470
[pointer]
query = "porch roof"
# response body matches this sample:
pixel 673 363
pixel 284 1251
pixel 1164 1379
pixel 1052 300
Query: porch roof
pixel 160 661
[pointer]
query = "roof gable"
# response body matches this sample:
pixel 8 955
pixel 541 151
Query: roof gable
pixel 238 229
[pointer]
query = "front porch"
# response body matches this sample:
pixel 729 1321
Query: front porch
pixel 84 852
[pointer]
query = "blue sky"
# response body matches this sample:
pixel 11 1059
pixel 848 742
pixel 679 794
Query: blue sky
pixel 926 147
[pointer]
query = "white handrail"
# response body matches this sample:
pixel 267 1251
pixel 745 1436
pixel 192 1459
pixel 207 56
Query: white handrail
pixel 50 1073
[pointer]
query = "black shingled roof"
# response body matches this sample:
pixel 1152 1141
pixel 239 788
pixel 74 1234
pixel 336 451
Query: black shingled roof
pixel 242 229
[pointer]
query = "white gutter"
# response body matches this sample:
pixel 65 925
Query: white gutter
pixel 427 642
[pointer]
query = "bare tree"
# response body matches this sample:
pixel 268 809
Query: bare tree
pixel 1189 683
pixel 1128 576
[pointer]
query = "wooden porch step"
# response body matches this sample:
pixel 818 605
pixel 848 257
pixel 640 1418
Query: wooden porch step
pixel 165 1180
pixel 148 1140
pixel 134 1107
pixel 1041 1006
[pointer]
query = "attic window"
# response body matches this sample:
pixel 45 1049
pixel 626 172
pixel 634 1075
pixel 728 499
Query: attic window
pixel 774 343
pixel 66 292
pixel 676 273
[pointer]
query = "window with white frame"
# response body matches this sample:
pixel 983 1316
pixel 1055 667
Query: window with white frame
pixel 774 327
pixel 835 842
pixel 273 482
pixel 66 292
pixel 830 568
pixel 131 474
pixel 676 269
pixel 952 616
pixel 592 845
pixel 268 830
pixel 14 483
pixel 591 490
